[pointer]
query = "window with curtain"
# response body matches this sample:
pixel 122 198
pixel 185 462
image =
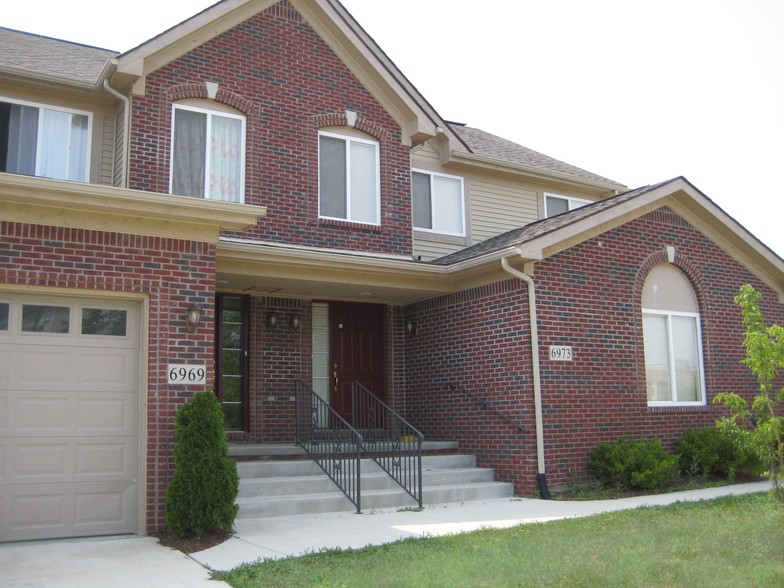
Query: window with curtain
pixel 438 203
pixel 673 343
pixel 348 179
pixel 42 141
pixel 208 154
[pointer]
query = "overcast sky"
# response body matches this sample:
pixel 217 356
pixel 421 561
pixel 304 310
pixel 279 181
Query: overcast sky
pixel 637 91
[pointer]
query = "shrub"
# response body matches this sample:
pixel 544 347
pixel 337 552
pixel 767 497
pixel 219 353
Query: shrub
pixel 628 463
pixel 200 498
pixel 709 452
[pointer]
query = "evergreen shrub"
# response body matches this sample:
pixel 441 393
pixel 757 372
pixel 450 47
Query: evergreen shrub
pixel 628 464
pixel 200 498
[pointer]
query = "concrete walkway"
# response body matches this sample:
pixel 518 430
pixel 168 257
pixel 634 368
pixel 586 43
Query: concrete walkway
pixel 129 562
pixel 279 537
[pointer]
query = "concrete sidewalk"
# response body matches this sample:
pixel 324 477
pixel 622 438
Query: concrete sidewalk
pixel 129 562
pixel 279 537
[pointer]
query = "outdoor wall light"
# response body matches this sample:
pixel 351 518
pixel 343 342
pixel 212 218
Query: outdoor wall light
pixel 294 322
pixel 272 320
pixel 192 317
pixel 411 328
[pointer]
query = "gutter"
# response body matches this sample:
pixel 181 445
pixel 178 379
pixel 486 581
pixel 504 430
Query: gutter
pixel 541 475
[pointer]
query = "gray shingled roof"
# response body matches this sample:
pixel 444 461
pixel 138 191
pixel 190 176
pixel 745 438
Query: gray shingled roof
pixel 52 58
pixel 540 228
pixel 483 143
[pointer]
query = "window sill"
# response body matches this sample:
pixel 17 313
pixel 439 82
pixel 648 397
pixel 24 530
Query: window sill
pixel 331 222
pixel 678 408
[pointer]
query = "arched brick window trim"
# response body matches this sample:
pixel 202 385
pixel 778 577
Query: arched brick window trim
pixel 339 119
pixel 692 273
pixel 199 91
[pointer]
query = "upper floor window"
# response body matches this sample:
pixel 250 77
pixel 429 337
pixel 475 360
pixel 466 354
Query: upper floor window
pixel 349 179
pixel 438 203
pixel 44 141
pixel 554 204
pixel 208 154
pixel 672 338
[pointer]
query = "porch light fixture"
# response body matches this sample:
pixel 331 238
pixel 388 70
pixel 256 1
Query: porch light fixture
pixel 272 320
pixel 411 328
pixel 192 317
pixel 294 322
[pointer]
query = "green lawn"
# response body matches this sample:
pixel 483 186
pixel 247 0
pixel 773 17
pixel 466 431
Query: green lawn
pixel 735 541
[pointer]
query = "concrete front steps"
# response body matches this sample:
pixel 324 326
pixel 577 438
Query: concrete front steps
pixel 274 482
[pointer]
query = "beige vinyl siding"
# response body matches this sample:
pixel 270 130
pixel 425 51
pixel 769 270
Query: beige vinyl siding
pixel 119 149
pixel 429 250
pixel 425 156
pixel 498 206
pixel 106 175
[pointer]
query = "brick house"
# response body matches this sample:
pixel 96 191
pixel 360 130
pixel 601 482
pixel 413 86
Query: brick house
pixel 258 197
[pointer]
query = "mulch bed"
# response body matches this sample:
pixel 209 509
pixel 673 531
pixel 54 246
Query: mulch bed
pixel 192 544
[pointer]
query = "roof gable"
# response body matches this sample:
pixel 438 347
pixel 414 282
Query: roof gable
pixel 417 119
pixel 547 237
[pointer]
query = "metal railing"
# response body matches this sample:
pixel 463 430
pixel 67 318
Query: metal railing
pixel 333 444
pixel 388 439
pixel 488 406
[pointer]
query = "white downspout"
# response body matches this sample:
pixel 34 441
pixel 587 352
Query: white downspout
pixel 126 143
pixel 541 475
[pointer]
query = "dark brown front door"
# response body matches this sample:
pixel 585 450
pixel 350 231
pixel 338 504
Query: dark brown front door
pixel 356 333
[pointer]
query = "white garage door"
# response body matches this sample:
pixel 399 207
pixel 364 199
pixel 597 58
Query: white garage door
pixel 68 402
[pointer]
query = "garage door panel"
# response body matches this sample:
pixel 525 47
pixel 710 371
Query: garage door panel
pixel 30 512
pixel 41 367
pixel 41 414
pixel 68 460
pixel 106 369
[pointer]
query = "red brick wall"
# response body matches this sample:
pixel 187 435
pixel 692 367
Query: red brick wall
pixel 588 297
pixel 289 84
pixel 171 273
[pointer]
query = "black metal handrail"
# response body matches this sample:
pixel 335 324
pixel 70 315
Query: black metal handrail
pixel 485 403
pixel 333 443
pixel 389 440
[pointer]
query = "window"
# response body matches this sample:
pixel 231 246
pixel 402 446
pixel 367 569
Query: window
pixel 559 204
pixel 4 316
pixel 348 179
pixel 673 343
pixel 46 142
pixel 104 321
pixel 438 203
pixel 208 154
pixel 37 318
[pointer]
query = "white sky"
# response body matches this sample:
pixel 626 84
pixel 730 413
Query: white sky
pixel 637 91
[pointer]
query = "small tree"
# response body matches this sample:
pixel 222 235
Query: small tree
pixel 201 496
pixel 759 428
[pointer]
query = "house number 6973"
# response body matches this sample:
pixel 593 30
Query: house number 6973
pixel 560 353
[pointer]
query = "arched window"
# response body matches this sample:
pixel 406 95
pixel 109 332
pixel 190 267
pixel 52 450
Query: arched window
pixel 673 343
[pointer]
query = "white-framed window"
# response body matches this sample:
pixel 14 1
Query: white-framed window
pixel 349 187
pixel 41 140
pixel 208 153
pixel 555 204
pixel 438 203
pixel 673 342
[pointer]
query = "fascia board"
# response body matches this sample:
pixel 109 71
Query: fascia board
pixel 32 199
pixel 529 171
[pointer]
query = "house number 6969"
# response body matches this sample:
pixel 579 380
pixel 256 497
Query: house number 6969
pixel 186 374
pixel 560 353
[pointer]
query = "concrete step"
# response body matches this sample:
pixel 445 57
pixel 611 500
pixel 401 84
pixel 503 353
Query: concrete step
pixel 271 488
pixel 250 451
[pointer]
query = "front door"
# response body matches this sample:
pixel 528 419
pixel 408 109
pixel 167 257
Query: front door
pixel 356 352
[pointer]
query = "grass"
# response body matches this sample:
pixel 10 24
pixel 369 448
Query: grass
pixel 733 541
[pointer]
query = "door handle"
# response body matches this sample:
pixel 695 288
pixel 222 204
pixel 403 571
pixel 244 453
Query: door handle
pixel 335 374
